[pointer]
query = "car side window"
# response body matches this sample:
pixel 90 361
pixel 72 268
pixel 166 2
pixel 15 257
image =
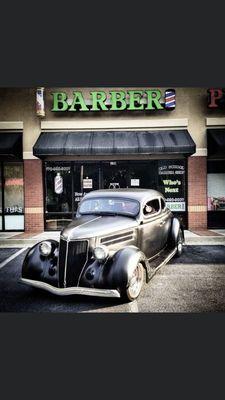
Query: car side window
pixel 151 207
pixel 163 204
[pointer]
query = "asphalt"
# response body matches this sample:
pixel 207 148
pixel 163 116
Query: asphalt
pixel 5 253
pixel 195 282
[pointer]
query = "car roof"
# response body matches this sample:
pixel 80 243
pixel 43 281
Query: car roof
pixel 135 194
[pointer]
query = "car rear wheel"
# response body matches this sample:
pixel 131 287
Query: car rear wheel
pixel 179 244
pixel 135 284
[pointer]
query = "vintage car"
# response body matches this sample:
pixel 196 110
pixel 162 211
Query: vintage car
pixel 117 241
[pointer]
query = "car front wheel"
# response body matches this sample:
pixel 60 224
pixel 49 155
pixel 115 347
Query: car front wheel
pixel 179 244
pixel 135 284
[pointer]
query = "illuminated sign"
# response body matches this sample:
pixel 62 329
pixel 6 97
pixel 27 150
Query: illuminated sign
pixel 115 100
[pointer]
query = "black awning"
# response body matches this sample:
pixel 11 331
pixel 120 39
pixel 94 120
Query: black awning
pixel 216 143
pixel 113 142
pixel 11 145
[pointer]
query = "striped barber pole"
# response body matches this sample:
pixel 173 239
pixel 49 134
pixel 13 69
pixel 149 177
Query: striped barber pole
pixel 40 104
pixel 170 99
pixel 58 182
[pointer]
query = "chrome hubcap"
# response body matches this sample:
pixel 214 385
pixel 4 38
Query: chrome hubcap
pixel 179 247
pixel 136 281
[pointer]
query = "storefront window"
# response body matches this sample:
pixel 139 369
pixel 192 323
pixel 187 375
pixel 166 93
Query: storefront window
pixel 13 196
pixel 143 175
pixel 115 175
pixel 85 179
pixel 171 183
pixel 216 193
pixel 0 198
pixel 67 183
pixel 58 208
pixel 216 186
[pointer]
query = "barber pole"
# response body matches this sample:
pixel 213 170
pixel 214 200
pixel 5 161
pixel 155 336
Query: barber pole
pixel 40 105
pixel 58 183
pixel 170 99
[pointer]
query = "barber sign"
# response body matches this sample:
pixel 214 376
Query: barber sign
pixel 170 99
pixel 40 105
pixel 58 183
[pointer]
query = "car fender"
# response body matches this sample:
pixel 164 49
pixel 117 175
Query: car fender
pixel 119 269
pixel 176 225
pixel 37 267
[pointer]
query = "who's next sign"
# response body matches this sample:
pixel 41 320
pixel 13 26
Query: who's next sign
pixel 115 100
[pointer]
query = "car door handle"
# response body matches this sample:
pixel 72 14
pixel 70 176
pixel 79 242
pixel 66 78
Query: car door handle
pixel 162 223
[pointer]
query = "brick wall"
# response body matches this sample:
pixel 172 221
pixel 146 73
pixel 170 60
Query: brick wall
pixel 33 196
pixel 197 192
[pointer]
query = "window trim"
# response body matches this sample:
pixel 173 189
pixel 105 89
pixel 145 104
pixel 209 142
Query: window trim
pixel 165 206
pixel 151 215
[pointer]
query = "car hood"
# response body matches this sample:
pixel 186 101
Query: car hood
pixel 93 226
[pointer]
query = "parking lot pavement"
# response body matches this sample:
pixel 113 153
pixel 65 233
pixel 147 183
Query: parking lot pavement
pixel 6 253
pixel 194 282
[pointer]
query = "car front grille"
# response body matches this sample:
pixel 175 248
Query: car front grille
pixel 61 262
pixel 72 259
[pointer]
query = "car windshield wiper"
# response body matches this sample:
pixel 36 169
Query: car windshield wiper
pixel 99 213
pixel 108 213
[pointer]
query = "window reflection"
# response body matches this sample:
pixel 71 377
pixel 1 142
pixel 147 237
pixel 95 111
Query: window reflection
pixel 0 198
pixel 58 182
pixel 13 196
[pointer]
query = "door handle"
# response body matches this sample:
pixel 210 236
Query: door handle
pixel 162 223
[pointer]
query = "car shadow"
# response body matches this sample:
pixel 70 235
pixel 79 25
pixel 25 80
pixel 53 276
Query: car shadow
pixel 18 297
pixel 207 254
pixel 32 299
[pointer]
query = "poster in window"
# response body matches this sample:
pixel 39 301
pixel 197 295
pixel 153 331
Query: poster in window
pixel 135 182
pixel 58 183
pixel 171 183
pixel 87 183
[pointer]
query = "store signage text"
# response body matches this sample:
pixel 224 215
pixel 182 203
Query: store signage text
pixel 172 184
pixel 14 210
pixel 216 98
pixel 168 183
pixel 120 100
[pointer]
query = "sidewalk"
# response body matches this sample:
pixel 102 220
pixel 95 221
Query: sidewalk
pixel 22 239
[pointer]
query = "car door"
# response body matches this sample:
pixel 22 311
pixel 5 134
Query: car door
pixel 150 229
pixel 165 222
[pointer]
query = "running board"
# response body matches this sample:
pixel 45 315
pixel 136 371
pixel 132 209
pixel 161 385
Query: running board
pixel 162 259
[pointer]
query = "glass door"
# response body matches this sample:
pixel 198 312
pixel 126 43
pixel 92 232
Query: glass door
pixel 129 174
pixel 58 195
pixel 86 177
pixel 115 175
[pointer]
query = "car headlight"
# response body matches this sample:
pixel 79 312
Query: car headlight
pixel 45 248
pixel 101 253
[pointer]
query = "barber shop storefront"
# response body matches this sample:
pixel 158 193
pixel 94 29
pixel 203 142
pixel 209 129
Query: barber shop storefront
pixel 67 182
pixel 56 145
pixel 120 162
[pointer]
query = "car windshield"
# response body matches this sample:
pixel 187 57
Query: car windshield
pixel 109 206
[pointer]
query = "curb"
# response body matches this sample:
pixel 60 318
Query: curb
pixel 18 242
pixel 205 240
pixel 189 241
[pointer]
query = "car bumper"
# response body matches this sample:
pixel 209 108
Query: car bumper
pixel 71 290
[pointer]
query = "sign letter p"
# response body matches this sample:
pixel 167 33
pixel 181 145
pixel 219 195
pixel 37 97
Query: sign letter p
pixel 214 95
